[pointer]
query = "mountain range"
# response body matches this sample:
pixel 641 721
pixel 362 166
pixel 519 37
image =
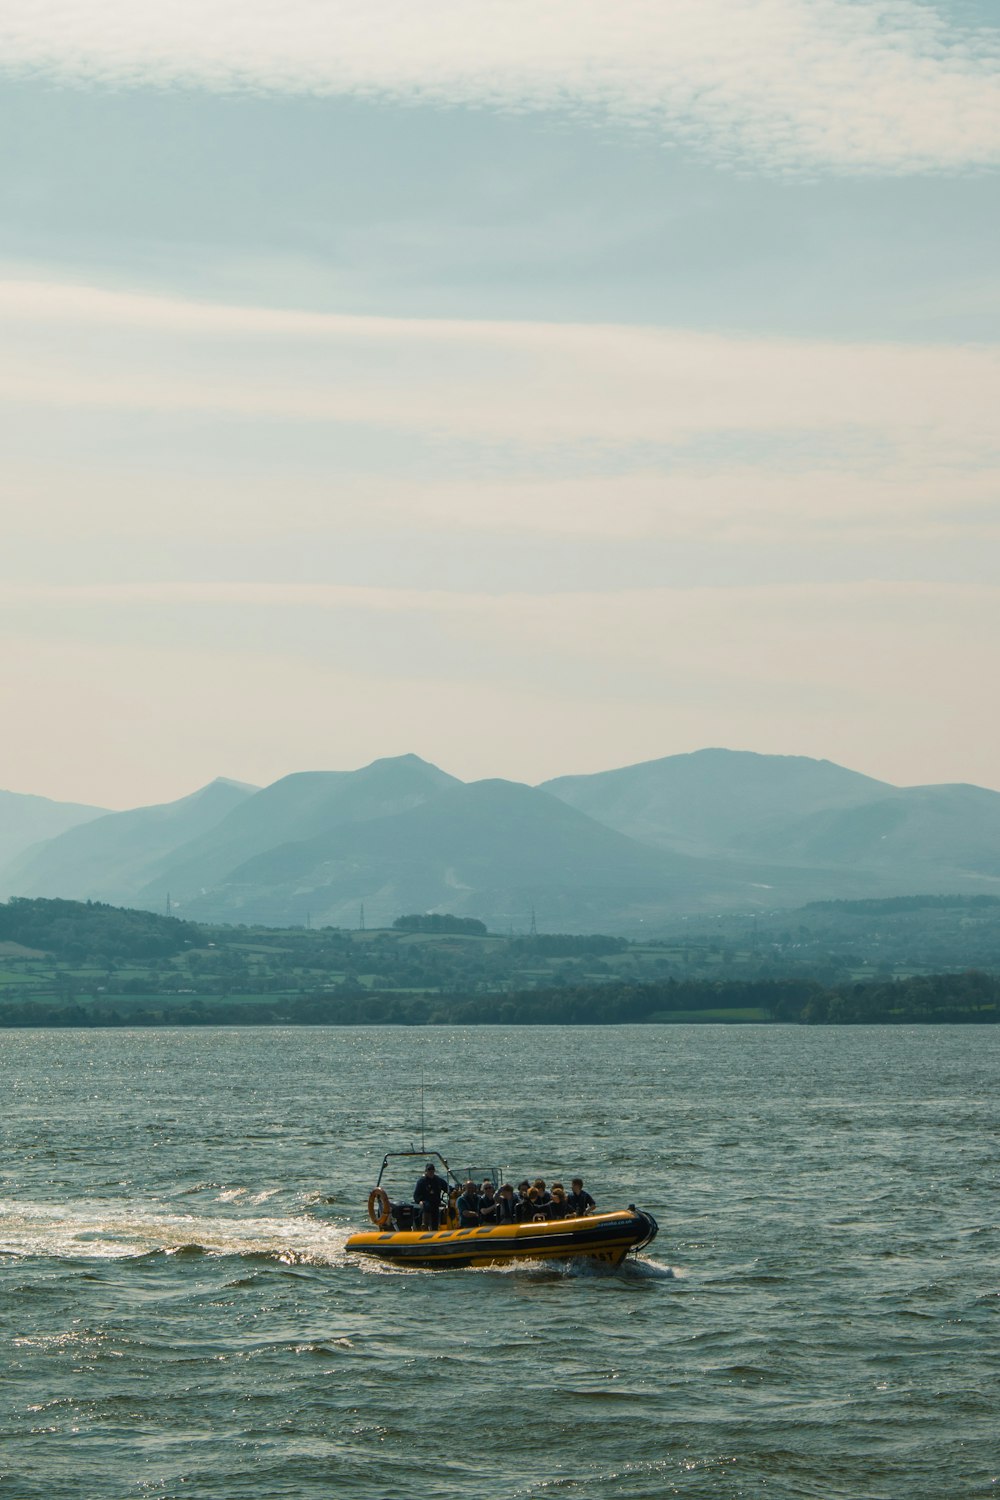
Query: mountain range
pixel 617 851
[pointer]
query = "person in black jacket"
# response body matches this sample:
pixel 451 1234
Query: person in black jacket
pixel 467 1206
pixel 531 1208
pixel 427 1194
pixel 580 1201
pixel 506 1205
pixel 558 1207
pixel 489 1204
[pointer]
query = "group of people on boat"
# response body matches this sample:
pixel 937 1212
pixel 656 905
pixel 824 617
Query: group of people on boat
pixel 485 1206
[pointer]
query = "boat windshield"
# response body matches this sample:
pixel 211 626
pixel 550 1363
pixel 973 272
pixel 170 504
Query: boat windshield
pixel 479 1175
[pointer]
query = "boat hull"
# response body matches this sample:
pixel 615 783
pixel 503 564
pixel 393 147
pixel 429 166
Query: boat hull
pixel 605 1238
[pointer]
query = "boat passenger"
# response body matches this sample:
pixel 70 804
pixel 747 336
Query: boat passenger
pixel 467 1206
pixel 506 1205
pixel 522 1190
pixel 535 1208
pixel 542 1191
pixel 489 1208
pixel 427 1194
pixel 580 1202
pixel 558 1207
pixel 524 1209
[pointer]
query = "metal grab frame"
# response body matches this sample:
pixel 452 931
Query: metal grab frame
pixel 394 1155
pixel 450 1216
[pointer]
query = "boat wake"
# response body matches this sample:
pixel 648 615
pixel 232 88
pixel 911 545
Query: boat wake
pixel 121 1231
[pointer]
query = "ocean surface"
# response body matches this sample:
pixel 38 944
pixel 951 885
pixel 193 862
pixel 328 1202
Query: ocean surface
pixel 818 1317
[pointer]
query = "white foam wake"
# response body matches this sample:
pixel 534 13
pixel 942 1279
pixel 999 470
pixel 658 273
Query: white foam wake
pixel 117 1231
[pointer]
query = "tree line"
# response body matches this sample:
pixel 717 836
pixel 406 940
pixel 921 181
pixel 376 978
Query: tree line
pixel 972 997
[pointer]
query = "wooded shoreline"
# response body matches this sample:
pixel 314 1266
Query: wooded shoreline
pixel 955 999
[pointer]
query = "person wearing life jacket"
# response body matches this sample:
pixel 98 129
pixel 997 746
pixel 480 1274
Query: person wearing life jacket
pixel 428 1193
pixel 580 1202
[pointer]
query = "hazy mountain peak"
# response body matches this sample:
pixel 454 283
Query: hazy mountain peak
pixel 708 801
pixel 408 758
pixel 409 767
pixel 300 806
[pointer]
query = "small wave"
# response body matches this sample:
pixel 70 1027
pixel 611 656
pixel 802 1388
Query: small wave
pixel 318 1199
pixel 652 1270
pixel 633 1268
pixel 288 1257
pixel 327 1349
pixel 76 1339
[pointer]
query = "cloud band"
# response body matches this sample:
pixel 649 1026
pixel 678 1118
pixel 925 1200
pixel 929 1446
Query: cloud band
pixel 883 86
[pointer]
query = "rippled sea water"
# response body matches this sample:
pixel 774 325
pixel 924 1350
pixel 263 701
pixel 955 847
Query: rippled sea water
pixel 819 1316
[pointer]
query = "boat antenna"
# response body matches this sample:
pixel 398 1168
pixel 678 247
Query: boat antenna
pixel 422 1146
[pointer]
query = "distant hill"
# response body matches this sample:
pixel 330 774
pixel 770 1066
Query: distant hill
pixel 491 848
pixel 914 838
pixel 714 802
pixel 308 805
pixel 112 856
pixel 27 820
pixel 800 818
pixel 85 932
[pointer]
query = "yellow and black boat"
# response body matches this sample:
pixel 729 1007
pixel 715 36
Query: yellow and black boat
pixel 601 1237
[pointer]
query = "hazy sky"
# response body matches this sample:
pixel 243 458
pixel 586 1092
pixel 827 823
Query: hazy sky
pixel 540 387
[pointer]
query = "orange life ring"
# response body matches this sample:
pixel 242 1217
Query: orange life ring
pixel 378 1199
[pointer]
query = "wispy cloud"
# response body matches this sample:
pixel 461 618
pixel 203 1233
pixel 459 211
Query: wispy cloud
pixel 622 642
pixel 586 431
pixel 887 85
pixel 525 383
pixel 558 613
